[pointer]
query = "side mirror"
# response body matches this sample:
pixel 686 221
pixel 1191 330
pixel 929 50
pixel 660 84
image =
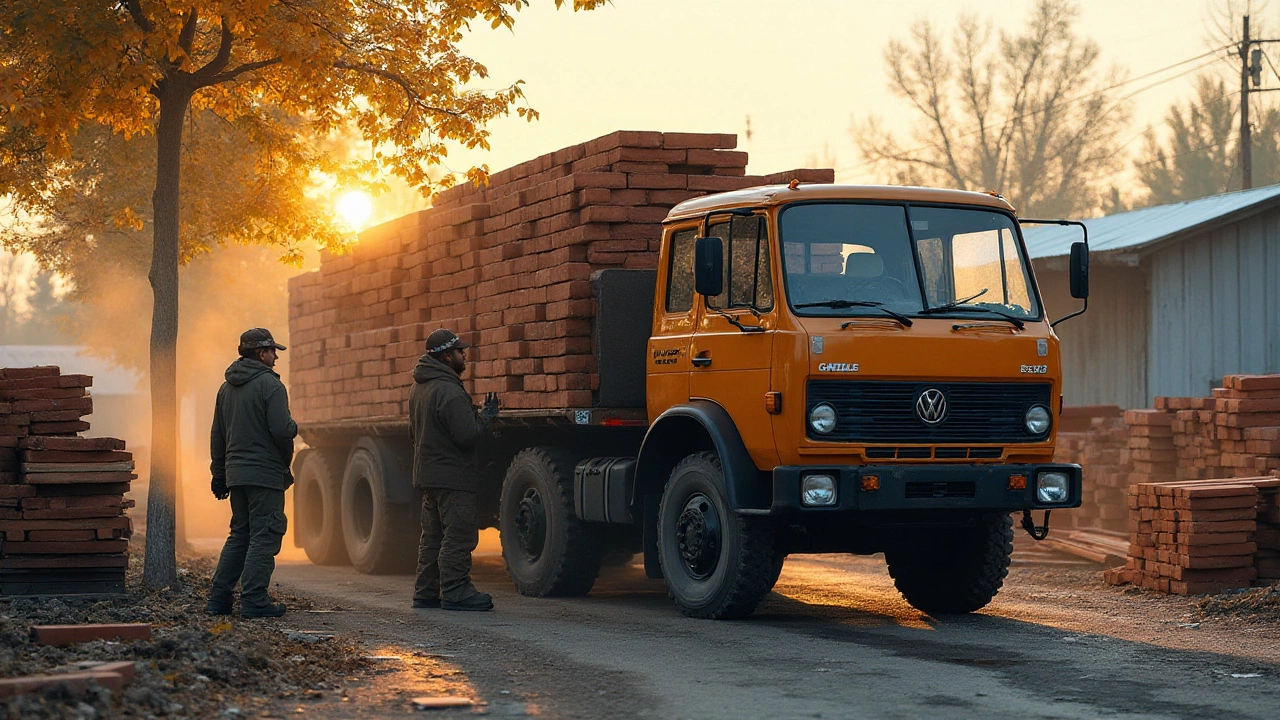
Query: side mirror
pixel 708 266
pixel 1079 270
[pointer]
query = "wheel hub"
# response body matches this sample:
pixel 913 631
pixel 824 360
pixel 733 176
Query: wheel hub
pixel 531 524
pixel 698 536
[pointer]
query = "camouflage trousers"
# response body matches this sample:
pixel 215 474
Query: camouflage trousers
pixel 449 535
pixel 258 524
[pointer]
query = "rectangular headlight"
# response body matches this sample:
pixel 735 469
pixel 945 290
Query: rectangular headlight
pixel 818 490
pixel 1053 487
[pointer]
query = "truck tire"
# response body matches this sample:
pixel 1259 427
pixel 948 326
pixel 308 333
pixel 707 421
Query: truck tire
pixel 317 509
pixel 381 538
pixel 716 564
pixel 954 570
pixel 548 550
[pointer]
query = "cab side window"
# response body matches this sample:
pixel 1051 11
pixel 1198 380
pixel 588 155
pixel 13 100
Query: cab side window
pixel 680 274
pixel 748 280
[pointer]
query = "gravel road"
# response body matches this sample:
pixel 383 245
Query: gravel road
pixel 834 640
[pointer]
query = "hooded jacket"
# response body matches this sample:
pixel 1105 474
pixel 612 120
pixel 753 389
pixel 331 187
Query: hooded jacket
pixel 252 438
pixel 444 428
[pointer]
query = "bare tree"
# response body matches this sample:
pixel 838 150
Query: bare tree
pixel 1027 114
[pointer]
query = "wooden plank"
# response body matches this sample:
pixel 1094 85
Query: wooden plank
pixel 65 548
pixel 70 513
pixel 63 562
pixel 121 523
pixel 71 443
pixel 54 503
pixel 87 632
pixel 75 489
pixel 75 456
pixel 88 470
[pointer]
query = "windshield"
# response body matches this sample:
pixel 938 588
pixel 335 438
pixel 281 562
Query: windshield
pixel 846 259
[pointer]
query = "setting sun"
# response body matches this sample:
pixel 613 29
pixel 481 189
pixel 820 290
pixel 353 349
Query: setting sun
pixel 355 207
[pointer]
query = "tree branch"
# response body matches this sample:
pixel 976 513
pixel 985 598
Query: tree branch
pixel 135 11
pixel 188 34
pixel 205 75
pixel 241 69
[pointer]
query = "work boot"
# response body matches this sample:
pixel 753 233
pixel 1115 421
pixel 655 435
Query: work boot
pixel 272 610
pixel 479 601
pixel 430 603
pixel 217 608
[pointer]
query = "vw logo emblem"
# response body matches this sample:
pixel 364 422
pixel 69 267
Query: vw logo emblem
pixel 931 406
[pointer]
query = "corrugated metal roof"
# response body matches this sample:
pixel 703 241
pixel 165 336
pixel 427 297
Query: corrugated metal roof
pixel 1132 230
pixel 75 360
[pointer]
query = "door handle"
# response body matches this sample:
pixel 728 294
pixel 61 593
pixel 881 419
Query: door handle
pixel 702 361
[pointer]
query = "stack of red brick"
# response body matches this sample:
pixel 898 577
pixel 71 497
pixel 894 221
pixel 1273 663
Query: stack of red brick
pixel 1096 438
pixel 1267 536
pixel 1152 452
pixel 508 266
pixel 1196 536
pixel 62 504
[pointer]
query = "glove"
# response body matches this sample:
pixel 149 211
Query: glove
pixel 490 409
pixel 219 488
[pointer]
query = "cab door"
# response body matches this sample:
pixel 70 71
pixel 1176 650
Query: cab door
pixel 731 365
pixel 674 316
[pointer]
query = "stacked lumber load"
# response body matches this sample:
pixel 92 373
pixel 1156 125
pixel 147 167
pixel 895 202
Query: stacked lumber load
pixel 62 507
pixel 1152 453
pixel 508 267
pixel 1267 534
pixel 1195 435
pixel 1197 536
pixel 1097 438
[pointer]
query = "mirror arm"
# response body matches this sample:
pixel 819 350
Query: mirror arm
pixel 1081 311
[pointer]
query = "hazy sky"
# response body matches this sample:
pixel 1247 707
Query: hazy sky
pixel 802 69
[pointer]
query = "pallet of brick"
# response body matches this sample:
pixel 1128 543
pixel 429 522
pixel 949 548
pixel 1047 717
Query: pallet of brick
pixel 1245 405
pixel 1096 437
pixel 1193 537
pixel 508 266
pixel 1267 534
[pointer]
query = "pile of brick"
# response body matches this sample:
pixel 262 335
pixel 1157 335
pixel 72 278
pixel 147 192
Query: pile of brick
pixel 508 266
pixel 1153 456
pixel 62 504
pixel 1198 536
pixel 1195 435
pixel 1248 419
pixel 1096 438
pixel 1267 535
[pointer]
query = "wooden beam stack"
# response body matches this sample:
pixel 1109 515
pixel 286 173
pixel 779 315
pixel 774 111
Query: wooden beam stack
pixel 62 504
pixel 507 266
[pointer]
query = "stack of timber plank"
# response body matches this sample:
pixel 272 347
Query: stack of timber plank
pixel 1267 534
pixel 1195 435
pixel 62 504
pixel 507 266
pixel 1196 536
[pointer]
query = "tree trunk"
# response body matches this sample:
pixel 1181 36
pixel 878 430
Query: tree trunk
pixel 160 568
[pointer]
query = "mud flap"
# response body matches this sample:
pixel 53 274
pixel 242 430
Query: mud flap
pixel 652 566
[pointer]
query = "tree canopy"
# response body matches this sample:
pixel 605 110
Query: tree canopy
pixel 1025 114
pixel 73 72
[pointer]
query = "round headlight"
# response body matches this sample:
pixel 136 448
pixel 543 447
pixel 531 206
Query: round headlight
pixel 1037 420
pixel 822 418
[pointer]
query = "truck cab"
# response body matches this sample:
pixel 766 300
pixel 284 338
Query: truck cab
pixel 847 369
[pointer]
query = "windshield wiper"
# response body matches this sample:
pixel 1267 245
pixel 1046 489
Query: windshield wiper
pixel 961 306
pixel 846 304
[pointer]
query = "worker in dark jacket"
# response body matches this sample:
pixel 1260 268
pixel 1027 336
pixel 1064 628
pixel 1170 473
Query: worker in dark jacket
pixel 252 446
pixel 444 428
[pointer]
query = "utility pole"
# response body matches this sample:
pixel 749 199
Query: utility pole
pixel 1246 142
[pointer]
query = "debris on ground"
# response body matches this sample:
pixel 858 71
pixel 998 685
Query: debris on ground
pixel 194 665
pixel 1258 603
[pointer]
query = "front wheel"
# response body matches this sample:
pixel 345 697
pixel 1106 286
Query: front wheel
pixel 716 564
pixel 953 570
pixel 548 550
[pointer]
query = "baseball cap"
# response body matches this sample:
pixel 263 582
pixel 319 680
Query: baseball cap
pixel 440 340
pixel 255 338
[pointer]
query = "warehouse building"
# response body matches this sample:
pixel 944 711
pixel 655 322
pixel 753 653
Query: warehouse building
pixel 1182 294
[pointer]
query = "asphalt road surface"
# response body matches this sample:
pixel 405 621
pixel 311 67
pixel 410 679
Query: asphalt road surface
pixel 834 640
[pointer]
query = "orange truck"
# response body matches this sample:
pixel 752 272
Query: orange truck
pixel 824 369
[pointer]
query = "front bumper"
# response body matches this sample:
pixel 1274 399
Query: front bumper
pixel 923 487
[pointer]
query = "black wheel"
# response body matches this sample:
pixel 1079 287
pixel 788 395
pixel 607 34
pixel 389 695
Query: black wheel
pixel 716 564
pixel 776 569
pixel 381 538
pixel 548 550
pixel 318 514
pixel 953 570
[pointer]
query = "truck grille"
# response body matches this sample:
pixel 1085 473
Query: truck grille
pixel 876 411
